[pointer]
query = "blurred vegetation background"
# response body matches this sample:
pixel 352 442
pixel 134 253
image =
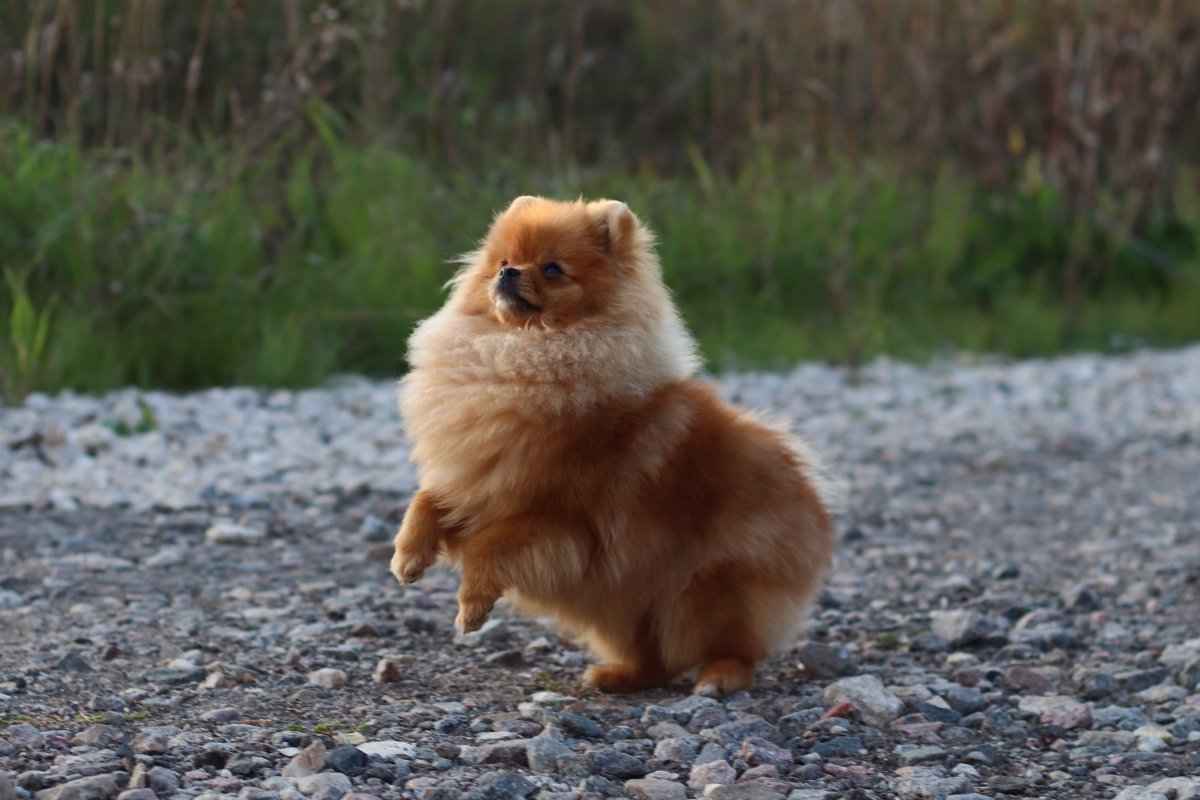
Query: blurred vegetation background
pixel 227 191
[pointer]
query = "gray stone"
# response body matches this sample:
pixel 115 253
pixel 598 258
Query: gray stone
pixel 653 789
pixel 99 736
pixel 690 705
pixel 922 755
pixel 1122 717
pixel 756 752
pixel 175 676
pixel 309 761
pixel 1188 674
pixel 964 699
pixel 153 741
pixel 927 783
pixel 1030 679
pixel 720 772
pixel 96 787
pixel 938 712
pixel 796 723
pixel 1164 789
pixel 73 662
pixel 840 746
pixel 227 714
pixel 504 786
pixel 678 749
pixel 1079 597
pixel 1046 638
pixel 959 628
pixel 512 753
pixel 823 660
pixel 1137 680
pixel 751 790
pixel 732 734
pixel 654 713
pixel 328 678
pixel 232 533
pixel 347 759
pixel 162 781
pixel 243 766
pixel 1066 712
pixel 7 790
pixel 866 694
pixel 24 735
pixel 666 730
pixel 612 764
pixel 494 631
pixel 324 785
pixel 388 749
pixel 137 794
pixel 711 752
pixel 542 753
pixel 711 717
pixel 580 725
pixel 374 529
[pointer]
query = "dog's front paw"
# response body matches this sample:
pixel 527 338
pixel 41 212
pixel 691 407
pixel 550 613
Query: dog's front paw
pixel 409 565
pixel 472 614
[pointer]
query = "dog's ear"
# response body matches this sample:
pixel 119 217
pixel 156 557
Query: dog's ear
pixel 618 223
pixel 523 201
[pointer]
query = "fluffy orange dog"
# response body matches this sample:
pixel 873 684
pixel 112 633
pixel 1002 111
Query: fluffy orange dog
pixel 570 462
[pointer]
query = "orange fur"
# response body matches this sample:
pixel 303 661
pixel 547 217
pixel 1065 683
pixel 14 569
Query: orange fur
pixel 570 462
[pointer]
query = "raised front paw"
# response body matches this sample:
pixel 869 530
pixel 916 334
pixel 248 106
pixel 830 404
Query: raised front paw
pixel 472 614
pixel 408 564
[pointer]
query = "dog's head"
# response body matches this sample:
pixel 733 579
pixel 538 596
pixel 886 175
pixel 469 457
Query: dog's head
pixel 555 264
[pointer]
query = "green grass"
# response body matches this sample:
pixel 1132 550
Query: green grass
pixel 207 268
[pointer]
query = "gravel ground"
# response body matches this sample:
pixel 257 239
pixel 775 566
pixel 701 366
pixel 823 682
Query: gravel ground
pixel 195 602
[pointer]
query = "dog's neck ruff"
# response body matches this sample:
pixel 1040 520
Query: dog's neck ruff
pixel 469 360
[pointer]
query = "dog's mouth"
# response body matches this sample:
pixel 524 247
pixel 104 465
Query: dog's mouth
pixel 510 298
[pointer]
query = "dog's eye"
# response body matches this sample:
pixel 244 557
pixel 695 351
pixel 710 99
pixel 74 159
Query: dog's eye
pixel 551 270
pixel 504 262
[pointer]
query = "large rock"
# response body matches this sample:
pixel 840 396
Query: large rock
pixel 97 787
pixel 614 764
pixel 1165 789
pixel 712 772
pixel 310 761
pixel 875 704
pixel 328 678
pixel 1066 712
pixel 751 790
pixel 823 660
pixel 504 786
pixel 654 789
pixel 324 785
pixel 959 628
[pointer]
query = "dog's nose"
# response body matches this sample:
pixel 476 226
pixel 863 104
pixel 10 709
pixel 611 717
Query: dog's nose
pixel 510 274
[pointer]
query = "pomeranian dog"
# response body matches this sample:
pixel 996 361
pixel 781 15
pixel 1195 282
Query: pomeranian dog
pixel 569 461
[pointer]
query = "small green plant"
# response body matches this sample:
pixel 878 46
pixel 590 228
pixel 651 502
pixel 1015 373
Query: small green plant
pixel 30 329
pixel 147 422
pixel 137 715
pixel 91 719
pixel 14 720
pixel 328 727
pixel 888 640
